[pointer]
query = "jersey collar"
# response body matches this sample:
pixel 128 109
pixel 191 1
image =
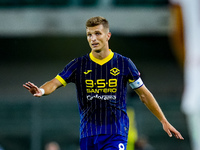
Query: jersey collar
pixel 102 61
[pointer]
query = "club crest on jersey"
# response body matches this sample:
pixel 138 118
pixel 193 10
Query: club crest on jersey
pixel 114 71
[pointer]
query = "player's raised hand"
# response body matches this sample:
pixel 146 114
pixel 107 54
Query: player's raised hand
pixel 33 89
pixel 172 131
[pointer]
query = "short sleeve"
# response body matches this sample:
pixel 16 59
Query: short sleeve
pixel 135 80
pixel 67 75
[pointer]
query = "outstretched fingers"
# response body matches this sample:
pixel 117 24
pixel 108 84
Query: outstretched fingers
pixel 33 89
pixel 169 133
pixel 177 135
pixel 172 131
pixel 26 86
pixel 29 85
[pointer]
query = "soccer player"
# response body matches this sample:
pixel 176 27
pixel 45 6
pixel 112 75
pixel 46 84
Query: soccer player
pixel 101 79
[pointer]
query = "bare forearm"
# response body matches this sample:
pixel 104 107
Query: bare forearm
pixel 50 86
pixel 148 99
pixel 153 106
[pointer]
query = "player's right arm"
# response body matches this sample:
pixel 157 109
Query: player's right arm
pixel 45 89
pixel 60 80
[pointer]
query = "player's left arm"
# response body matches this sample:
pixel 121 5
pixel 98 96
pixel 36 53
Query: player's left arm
pixel 148 99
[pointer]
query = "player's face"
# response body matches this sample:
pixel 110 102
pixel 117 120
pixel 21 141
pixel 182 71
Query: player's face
pixel 98 37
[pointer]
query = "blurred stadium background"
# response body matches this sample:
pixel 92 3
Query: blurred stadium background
pixel 38 37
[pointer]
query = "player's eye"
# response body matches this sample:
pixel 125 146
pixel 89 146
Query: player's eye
pixel 89 34
pixel 98 33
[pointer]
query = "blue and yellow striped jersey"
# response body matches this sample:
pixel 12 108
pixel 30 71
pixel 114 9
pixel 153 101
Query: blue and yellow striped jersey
pixel 101 92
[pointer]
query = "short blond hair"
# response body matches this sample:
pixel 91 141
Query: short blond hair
pixel 95 21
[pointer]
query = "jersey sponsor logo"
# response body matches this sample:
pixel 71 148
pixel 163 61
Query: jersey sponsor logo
pixel 104 90
pixel 101 86
pixel 101 97
pixel 114 71
pixel 88 71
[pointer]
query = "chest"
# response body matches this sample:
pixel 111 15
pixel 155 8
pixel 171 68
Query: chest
pixel 109 75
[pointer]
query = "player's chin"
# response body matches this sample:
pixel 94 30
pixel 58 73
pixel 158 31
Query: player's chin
pixel 97 50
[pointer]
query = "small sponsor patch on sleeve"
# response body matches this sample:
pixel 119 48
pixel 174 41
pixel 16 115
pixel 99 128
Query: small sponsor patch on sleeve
pixel 136 84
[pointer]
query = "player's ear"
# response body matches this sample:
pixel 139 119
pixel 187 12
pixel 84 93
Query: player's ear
pixel 108 36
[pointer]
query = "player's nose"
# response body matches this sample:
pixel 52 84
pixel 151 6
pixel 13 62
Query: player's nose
pixel 93 38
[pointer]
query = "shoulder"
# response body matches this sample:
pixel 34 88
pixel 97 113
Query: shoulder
pixel 78 62
pixel 117 55
pixel 79 59
pixel 123 58
pixel 82 58
pixel 126 61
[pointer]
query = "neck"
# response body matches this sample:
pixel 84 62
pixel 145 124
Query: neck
pixel 101 54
